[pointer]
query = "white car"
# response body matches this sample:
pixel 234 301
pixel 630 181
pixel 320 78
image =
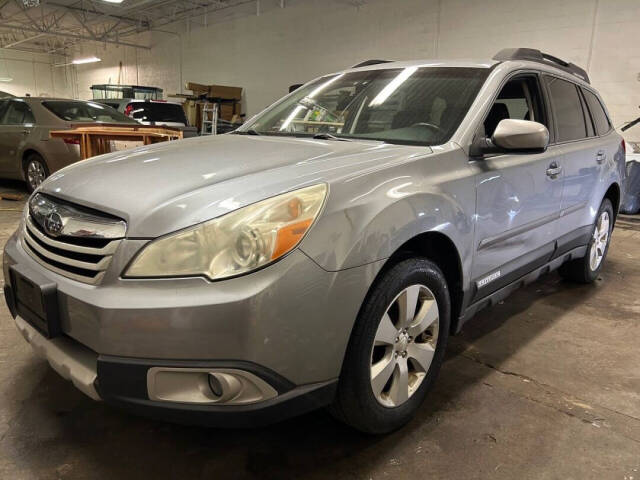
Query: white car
pixel 633 151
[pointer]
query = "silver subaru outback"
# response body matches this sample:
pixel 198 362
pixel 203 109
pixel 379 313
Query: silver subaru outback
pixel 322 254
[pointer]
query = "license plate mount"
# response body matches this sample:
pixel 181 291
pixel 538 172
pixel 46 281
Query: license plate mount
pixel 36 300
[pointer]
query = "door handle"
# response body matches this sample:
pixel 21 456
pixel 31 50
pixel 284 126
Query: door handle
pixel 601 156
pixel 554 170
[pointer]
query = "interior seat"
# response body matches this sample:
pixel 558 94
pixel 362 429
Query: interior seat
pixel 498 112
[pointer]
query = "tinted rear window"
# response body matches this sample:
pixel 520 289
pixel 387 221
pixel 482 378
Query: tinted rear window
pixel 156 112
pixel 597 113
pixel 79 111
pixel 567 108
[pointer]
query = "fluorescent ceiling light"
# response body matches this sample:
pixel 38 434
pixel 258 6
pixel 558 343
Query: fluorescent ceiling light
pixel 324 85
pixel 291 117
pixel 113 1
pixel 6 79
pixel 80 61
pixel 392 86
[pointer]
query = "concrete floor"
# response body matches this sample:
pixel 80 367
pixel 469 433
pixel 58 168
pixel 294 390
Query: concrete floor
pixel 544 385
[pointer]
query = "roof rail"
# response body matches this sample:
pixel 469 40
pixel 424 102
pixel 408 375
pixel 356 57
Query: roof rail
pixel 534 55
pixel 370 62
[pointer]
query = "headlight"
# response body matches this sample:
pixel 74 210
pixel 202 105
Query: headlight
pixel 235 243
pixel 635 147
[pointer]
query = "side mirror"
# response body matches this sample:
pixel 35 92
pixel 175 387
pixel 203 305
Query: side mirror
pixel 520 136
pixel 515 136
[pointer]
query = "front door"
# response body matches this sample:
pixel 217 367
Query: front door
pixel 518 196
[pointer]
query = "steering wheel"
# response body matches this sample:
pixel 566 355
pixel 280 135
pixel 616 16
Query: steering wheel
pixel 428 125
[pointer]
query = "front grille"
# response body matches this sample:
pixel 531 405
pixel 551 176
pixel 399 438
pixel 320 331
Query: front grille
pixel 82 259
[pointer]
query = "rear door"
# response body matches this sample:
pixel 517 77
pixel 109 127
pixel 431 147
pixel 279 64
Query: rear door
pixel 518 195
pixel 582 132
pixel 17 124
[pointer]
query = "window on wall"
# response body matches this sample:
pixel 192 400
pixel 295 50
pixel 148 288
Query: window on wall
pixel 570 120
pixel 599 116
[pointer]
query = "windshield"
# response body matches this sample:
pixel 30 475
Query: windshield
pixel 415 106
pixel 79 111
pixel 156 112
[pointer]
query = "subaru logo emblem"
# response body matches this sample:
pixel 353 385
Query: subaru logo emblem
pixel 53 224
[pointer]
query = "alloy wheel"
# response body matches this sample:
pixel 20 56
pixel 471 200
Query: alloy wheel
pixel 35 174
pixel 600 241
pixel 404 345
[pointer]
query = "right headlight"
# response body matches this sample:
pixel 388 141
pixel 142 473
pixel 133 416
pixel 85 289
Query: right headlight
pixel 236 243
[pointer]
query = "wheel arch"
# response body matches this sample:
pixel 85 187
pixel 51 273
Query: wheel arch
pixel 29 151
pixel 613 194
pixel 440 249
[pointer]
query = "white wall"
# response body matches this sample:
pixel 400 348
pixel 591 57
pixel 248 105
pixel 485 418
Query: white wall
pixel 33 74
pixel 267 53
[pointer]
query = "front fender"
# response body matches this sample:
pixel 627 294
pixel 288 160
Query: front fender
pixel 363 225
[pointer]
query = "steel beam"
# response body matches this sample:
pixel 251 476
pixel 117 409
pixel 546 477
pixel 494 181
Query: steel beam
pixel 27 39
pixel 73 35
pixel 129 20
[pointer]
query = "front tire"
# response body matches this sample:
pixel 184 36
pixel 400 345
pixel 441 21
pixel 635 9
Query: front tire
pixel 587 268
pixel 35 171
pixel 396 348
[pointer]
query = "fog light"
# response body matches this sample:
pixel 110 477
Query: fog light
pixel 224 386
pixel 214 385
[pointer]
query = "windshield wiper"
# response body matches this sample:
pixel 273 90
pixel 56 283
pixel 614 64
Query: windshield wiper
pixel 246 132
pixel 328 136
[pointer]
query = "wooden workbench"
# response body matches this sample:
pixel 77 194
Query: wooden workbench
pixel 96 139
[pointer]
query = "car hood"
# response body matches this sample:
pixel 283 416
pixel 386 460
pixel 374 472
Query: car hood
pixel 164 187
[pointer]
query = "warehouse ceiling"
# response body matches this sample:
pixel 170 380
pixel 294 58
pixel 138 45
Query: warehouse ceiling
pixel 56 26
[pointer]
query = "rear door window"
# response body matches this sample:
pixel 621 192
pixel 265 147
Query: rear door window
pixel 18 113
pixel 598 114
pixel 591 129
pixel 570 120
pixel 156 112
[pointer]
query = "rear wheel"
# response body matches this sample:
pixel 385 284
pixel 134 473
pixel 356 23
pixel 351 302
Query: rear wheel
pixel 35 171
pixel 587 268
pixel 396 348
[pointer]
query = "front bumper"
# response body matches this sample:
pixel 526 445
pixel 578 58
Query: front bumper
pixel 122 381
pixel 288 324
pixel 70 359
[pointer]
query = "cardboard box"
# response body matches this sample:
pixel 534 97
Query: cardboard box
pixel 228 93
pixel 191 111
pixel 228 110
pixel 197 88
